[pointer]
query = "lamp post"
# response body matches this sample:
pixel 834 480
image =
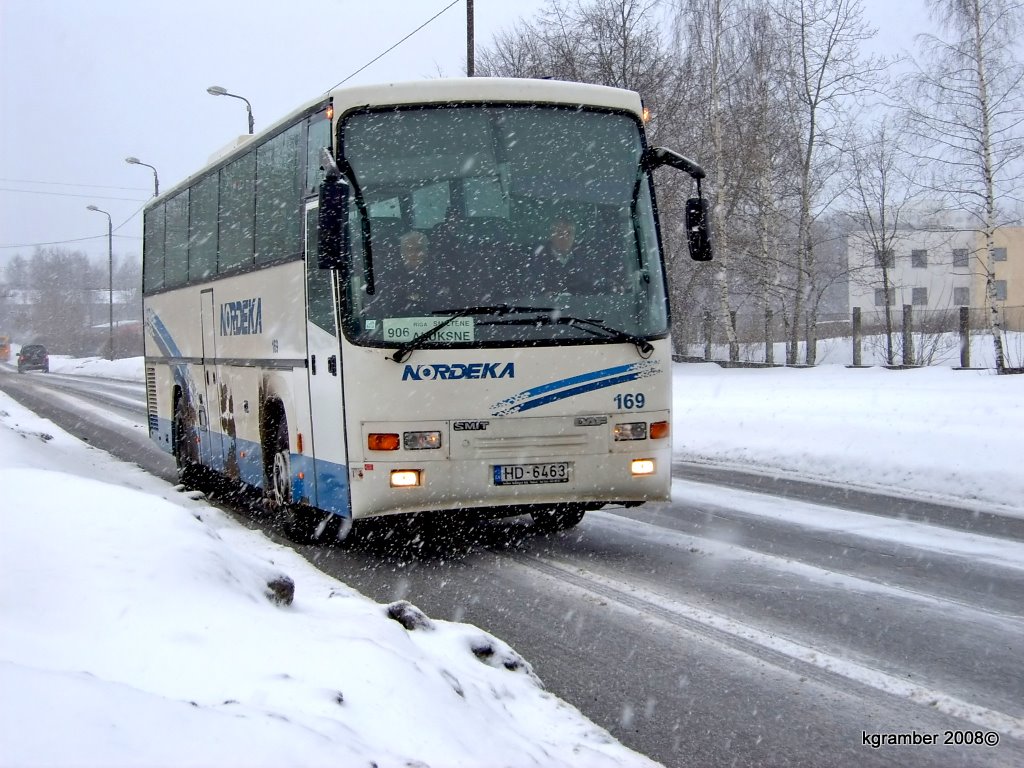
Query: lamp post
pixel 110 272
pixel 216 90
pixel 156 179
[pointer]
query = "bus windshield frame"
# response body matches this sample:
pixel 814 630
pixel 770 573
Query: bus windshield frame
pixel 510 224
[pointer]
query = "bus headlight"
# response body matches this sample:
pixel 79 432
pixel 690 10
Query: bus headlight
pixel 634 430
pixel 418 441
pixel 405 478
pixel 641 467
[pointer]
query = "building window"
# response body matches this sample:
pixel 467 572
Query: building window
pixel 919 297
pixel 880 297
pixel 960 257
pixel 962 297
pixel 884 258
pixel 998 254
pixel 1000 290
pixel 919 258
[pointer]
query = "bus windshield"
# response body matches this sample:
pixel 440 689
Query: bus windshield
pixel 515 224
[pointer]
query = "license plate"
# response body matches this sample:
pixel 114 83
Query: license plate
pixel 532 474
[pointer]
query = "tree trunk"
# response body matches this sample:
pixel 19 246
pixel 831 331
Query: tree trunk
pixel 994 321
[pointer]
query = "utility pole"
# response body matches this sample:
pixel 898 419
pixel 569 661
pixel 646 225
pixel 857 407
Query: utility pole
pixel 469 38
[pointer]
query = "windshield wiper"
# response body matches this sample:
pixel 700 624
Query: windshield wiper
pixel 403 351
pixel 586 324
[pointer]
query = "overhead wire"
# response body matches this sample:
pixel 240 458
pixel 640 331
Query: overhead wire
pixel 389 50
pixel 72 240
pixel 82 239
pixel 74 194
pixel 67 194
pixel 71 184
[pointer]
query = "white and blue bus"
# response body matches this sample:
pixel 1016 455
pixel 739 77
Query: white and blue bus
pixel 293 344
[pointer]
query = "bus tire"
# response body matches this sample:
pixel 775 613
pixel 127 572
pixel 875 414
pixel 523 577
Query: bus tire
pixel 301 525
pixel 558 518
pixel 186 452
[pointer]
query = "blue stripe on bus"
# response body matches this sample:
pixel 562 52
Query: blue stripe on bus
pixel 606 377
pixel 566 393
pixel 331 478
pixel 166 344
pixel 161 335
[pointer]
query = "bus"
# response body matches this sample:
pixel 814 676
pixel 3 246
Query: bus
pixel 292 347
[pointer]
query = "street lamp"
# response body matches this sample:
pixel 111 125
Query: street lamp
pixel 216 90
pixel 156 179
pixel 110 272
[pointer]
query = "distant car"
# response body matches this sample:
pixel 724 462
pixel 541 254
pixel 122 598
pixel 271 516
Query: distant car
pixel 33 357
pixel 5 348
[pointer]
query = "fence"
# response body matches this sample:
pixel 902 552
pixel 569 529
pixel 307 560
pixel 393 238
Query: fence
pixel 957 336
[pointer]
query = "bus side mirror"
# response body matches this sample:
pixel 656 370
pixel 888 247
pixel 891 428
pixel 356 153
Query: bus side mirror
pixel 698 229
pixel 333 240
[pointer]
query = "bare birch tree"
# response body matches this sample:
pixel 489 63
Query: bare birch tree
pixel 828 74
pixel 767 140
pixel 705 35
pixel 880 189
pixel 967 108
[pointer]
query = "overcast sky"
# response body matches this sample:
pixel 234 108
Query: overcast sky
pixel 85 84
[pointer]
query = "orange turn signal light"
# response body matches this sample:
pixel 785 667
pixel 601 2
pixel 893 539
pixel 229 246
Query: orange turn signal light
pixel 659 429
pixel 383 441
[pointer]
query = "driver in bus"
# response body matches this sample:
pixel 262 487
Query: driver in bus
pixel 420 282
pixel 580 263
pixel 562 264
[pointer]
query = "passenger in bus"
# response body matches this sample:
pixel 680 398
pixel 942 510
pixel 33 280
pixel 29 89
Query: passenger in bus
pixel 563 264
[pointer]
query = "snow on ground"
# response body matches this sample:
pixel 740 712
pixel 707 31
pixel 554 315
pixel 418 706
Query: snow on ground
pixel 138 627
pixel 935 433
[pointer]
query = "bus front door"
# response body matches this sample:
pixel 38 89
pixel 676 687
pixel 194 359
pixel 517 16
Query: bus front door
pixel 324 362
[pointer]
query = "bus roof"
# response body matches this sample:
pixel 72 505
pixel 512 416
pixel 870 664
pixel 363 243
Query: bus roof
pixel 439 91
pixel 484 89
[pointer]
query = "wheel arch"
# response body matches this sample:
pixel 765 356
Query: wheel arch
pixel 272 411
pixel 177 393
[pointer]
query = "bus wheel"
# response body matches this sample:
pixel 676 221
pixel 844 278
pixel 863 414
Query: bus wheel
pixel 186 452
pixel 558 518
pixel 303 526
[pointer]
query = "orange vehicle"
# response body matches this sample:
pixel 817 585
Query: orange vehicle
pixel 5 348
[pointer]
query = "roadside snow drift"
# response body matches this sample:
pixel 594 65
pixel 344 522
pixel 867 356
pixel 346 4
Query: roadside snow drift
pixel 143 627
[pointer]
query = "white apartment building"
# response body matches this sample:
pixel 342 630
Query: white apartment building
pixel 929 269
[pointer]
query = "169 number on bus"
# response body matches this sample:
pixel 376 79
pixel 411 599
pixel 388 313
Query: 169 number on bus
pixel 631 401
